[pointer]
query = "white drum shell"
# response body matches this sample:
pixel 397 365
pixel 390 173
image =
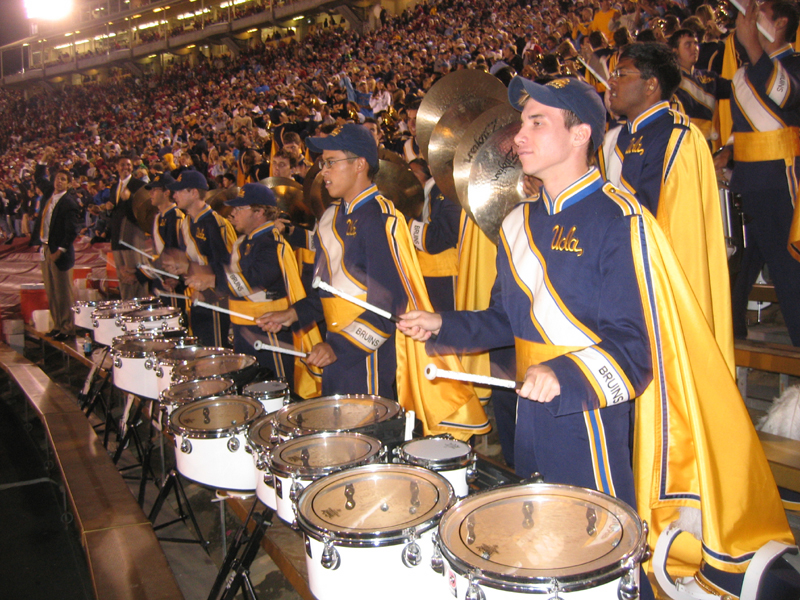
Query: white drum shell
pixel 283 500
pixel 168 322
pixel 83 314
pixel 273 395
pixel 134 376
pixel 211 463
pixel 427 452
pixel 265 489
pixel 106 330
pixel 374 572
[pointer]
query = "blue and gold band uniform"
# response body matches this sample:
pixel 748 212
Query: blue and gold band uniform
pixel 208 240
pixel 356 253
pixel 697 97
pixel 435 237
pixel 766 145
pixel 256 283
pixel 566 295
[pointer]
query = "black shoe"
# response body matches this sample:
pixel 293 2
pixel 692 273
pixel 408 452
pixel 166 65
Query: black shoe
pixel 62 337
pixel 10 240
pixel 52 333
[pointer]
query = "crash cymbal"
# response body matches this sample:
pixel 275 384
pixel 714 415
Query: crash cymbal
pixel 450 89
pixel 216 200
pixel 446 136
pixel 289 195
pixel 399 184
pixel 474 137
pixel 143 210
pixel 317 195
pixel 495 181
pixel 395 182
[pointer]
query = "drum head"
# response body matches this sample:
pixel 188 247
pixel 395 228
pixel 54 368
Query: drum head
pixel 437 449
pixel 215 417
pixel 196 390
pixel 373 504
pixel 529 534
pixel 266 389
pixel 111 312
pixel 151 313
pixel 335 413
pixel 142 346
pixel 323 453
pixel 215 365
pixel 189 353
pixel 260 432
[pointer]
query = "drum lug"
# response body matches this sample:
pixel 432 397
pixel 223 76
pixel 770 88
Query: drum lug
pixel 118 323
pixel 159 372
pixel 233 444
pixel 186 446
pixel 437 562
pixel 117 362
pixel 148 364
pixel 412 553
pixel 474 591
pixel 95 323
pixel 330 556
pixel 629 586
pixel 295 491
pixel 554 588
pixel 268 480
pixel 472 469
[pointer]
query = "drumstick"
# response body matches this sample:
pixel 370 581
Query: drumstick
pixel 166 295
pixel 259 345
pixel 762 29
pixel 223 310
pixel 318 283
pixel 135 249
pixel 432 372
pixel 159 271
pixel 594 73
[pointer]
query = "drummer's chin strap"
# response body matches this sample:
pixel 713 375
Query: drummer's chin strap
pixel 686 588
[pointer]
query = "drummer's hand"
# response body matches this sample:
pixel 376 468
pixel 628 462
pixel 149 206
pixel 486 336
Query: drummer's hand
pixel 321 355
pixel 540 385
pixel 201 281
pixel 273 322
pixel 419 325
pixel 747 31
pixel 169 283
pixel 175 263
pixel 721 159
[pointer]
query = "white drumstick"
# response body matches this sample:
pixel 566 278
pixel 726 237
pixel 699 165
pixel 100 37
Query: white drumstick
pixel 135 249
pixel 259 345
pixel 761 28
pixel 166 295
pixel 318 283
pixel 432 372
pixel 223 310
pixel 594 73
pixel 159 271
pixel 101 255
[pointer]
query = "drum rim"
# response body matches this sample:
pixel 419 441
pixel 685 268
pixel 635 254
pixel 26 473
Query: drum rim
pixel 130 318
pixel 290 430
pixel 163 399
pixel 177 371
pixel 286 469
pixel 258 424
pixel 372 539
pixel 150 334
pixel 118 352
pixel 268 395
pixel 120 310
pixel 541 584
pixel 206 434
pixel 441 464
pixel 171 362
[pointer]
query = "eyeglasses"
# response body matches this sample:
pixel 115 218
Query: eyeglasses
pixel 617 73
pixel 327 164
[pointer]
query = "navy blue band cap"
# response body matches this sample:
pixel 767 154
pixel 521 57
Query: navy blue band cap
pixel 253 194
pixel 189 180
pixel 161 182
pixel 348 138
pixel 566 93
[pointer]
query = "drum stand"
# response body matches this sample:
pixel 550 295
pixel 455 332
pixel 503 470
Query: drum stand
pixel 235 570
pixel 170 482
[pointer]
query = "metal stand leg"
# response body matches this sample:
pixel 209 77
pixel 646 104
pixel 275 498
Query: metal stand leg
pixel 173 481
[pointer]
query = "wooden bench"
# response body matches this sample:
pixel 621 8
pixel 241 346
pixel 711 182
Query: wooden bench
pixel 783 455
pixel 763 356
pixel 124 556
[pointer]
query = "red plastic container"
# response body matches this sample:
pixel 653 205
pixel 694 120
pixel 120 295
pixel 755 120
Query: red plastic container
pixel 31 300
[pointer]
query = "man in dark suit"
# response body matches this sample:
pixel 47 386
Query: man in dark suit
pixel 55 229
pixel 123 226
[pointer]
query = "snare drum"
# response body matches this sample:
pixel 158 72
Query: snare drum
pixel 83 310
pixel 451 458
pixel 540 539
pixel 239 367
pixel 262 440
pixel 371 415
pixel 134 360
pixel 368 532
pixel 297 463
pixel 199 389
pixel 169 359
pixel 273 395
pixel 210 443
pixel 106 323
pixel 152 317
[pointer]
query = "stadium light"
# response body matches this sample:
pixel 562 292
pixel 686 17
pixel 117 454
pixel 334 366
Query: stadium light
pixel 48 10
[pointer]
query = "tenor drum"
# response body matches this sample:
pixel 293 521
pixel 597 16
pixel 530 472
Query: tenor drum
pixel 239 367
pixel 540 539
pixel 169 359
pixel 134 361
pixel 83 310
pixel 152 317
pixel 451 458
pixel 106 322
pixel 273 395
pixel 262 440
pixel 368 532
pixel 371 415
pixel 210 443
pixel 199 389
pixel 296 463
